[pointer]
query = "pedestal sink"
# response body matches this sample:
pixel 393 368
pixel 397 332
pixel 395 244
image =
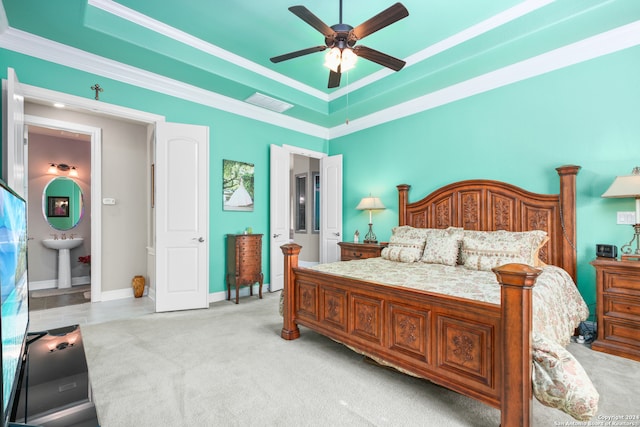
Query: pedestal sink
pixel 63 246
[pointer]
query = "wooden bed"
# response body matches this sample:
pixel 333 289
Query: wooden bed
pixel 478 349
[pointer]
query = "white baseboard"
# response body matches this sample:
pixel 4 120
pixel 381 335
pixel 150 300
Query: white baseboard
pixel 128 292
pixel 52 284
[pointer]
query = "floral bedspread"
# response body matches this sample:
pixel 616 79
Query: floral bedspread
pixel 558 378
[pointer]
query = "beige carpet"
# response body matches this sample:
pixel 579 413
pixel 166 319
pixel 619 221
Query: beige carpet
pixel 228 366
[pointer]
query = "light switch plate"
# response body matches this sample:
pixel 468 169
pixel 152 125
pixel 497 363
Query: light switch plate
pixel 108 201
pixel 626 218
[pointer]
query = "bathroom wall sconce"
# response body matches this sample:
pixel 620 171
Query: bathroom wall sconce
pixel 54 169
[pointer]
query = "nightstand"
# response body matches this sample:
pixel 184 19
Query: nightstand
pixel 350 250
pixel 618 307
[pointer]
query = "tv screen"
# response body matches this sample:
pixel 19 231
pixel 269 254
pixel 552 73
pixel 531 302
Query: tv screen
pixel 14 310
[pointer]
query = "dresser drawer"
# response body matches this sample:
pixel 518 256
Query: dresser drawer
pixel 350 251
pixel 624 307
pixel 621 282
pixel 619 331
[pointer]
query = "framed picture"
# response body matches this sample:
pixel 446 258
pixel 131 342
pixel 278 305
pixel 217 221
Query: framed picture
pixel 237 186
pixel 57 206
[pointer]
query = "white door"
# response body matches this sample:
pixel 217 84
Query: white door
pixel 330 208
pixel 13 149
pixel 182 216
pixel 280 212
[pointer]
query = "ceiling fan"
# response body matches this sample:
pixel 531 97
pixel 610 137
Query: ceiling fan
pixel 341 39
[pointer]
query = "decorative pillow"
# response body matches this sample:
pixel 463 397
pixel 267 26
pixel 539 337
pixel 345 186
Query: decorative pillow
pixel 442 246
pixel 484 250
pixel 403 249
pixel 410 232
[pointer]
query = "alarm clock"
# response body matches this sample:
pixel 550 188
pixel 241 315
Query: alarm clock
pixel 606 251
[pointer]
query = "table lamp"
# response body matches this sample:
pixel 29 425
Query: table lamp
pixel 628 186
pixel 370 203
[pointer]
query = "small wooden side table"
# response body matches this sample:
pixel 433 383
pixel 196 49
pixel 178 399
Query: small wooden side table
pixel 350 250
pixel 618 307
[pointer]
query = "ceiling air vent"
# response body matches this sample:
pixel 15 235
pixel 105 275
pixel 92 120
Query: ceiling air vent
pixel 269 103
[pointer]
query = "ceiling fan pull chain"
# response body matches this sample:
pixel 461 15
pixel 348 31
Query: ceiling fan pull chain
pixel 347 88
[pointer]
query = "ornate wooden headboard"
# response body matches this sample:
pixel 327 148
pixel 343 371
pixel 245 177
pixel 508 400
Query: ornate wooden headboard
pixel 488 205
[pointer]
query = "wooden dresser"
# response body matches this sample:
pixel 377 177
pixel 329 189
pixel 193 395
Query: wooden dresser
pixel 618 307
pixel 244 262
pixel 350 250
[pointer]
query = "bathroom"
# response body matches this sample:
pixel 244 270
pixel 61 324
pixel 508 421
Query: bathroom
pixel 120 231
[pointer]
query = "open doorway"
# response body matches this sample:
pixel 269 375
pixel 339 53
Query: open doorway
pixel 58 187
pixel 114 228
pixel 305 207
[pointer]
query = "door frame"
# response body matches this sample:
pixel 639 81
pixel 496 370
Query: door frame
pixel 277 256
pixel 96 191
pixel 49 97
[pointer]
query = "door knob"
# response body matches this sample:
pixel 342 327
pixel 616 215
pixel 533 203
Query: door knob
pixel 275 236
pixel 337 234
pixel 199 239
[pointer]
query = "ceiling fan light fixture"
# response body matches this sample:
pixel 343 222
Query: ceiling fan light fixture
pixel 349 59
pixel 344 59
pixel 332 59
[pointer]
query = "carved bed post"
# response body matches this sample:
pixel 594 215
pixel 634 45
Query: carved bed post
pixel 568 217
pixel 403 199
pixel 516 284
pixel 290 329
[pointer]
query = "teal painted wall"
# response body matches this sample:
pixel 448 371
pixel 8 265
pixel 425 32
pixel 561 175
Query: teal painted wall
pixel 587 115
pixel 231 137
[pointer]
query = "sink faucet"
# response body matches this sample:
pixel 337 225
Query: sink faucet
pixel 64 236
pixel 55 236
pixel 71 236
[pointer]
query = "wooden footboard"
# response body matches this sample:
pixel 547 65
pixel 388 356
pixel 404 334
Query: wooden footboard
pixel 478 349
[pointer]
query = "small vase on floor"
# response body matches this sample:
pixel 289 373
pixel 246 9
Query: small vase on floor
pixel 138 286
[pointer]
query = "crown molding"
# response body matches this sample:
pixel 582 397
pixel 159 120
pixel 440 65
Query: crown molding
pixel 605 43
pixel 480 28
pixel 151 24
pixel 41 48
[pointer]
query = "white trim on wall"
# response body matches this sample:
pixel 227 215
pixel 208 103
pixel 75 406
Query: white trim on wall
pixel 57 53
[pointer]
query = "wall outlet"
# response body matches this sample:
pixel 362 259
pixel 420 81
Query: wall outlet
pixel 626 218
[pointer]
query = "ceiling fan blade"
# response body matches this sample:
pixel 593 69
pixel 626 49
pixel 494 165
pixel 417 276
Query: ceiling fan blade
pixel 381 20
pixel 297 53
pixel 311 19
pixel 334 79
pixel 379 58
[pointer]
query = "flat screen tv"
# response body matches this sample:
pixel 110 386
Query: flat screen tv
pixel 14 310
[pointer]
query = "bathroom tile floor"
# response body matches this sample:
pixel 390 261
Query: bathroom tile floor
pixel 49 298
pixel 89 313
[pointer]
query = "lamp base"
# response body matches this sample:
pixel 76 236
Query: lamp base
pixel 627 253
pixel 370 237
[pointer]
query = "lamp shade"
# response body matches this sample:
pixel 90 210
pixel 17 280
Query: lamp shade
pixel 370 203
pixel 625 186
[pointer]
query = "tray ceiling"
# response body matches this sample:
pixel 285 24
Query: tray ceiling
pixel 224 47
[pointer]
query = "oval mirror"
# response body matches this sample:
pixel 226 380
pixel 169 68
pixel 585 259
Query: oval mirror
pixel 62 203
